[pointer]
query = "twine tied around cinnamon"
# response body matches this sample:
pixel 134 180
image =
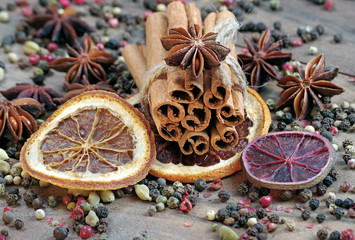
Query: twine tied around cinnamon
pixel 227 31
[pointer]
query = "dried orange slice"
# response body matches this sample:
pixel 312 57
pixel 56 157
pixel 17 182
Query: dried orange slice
pixel 94 141
pixel 171 164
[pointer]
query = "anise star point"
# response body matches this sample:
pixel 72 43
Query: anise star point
pixel 187 48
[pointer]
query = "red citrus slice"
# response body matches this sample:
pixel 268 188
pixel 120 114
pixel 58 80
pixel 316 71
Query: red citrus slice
pixel 171 164
pixel 287 160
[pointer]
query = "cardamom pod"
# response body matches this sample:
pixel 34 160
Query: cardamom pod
pixel 227 233
pixel 31 47
pixel 142 192
pixel 3 154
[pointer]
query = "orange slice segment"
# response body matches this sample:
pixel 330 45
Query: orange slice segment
pixel 94 141
pixel 174 166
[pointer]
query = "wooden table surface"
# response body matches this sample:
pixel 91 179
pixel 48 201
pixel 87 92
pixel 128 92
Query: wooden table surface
pixel 128 216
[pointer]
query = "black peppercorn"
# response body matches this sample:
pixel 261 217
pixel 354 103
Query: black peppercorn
pixel 322 234
pixel 274 218
pixel 314 34
pixel 243 189
pixel 338 213
pixel 200 185
pixel 252 231
pixel 334 173
pixel 101 212
pixel 193 199
pixel 102 227
pixel 262 236
pixel 11 199
pixel 264 191
pixel 18 224
pixel 260 27
pixel 154 193
pixel 178 196
pixel 119 193
pixel 261 213
pixel 13 190
pixel 320 29
pixel 231 207
pixel 328 135
pixel 306 215
pixel 29 196
pixel 338 38
pixel 248 7
pixel 305 195
pixel 60 233
pixel 277 25
pixel 334 235
pixel 242 221
pixel 224 196
pixel 347 142
pixel 162 182
pixel 222 214
pixel 338 202
pixel 344 125
pixel 235 215
pixel 281 126
pixel 253 196
pixel 347 203
pixel 320 218
pixel 286 195
pixel 251 215
pixel 328 181
pixel 301 31
pixel 152 185
pixel 351 118
pixel 321 189
pixel 314 203
pixel 37 203
pixel 259 227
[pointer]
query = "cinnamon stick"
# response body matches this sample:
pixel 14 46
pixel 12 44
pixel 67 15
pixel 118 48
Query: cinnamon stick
pixel 216 92
pixel 198 117
pixel 162 108
pixel 194 142
pixel 230 114
pixel 193 15
pixel 223 138
pixel 156 27
pixel 209 23
pixel 183 87
pixel 135 62
pixel 168 131
pixel 176 14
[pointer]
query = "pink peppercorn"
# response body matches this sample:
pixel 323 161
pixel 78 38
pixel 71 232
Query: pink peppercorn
pixel 328 5
pixel 67 198
pixel 345 186
pixel 26 11
pixel 2 237
pixel 100 46
pixel 122 44
pixel 297 42
pixel 79 2
pixel 287 67
pixel 47 57
pixel 228 3
pixel 265 201
pixel 347 234
pixel 113 22
pixel 244 236
pixel 79 201
pixel 334 130
pixel 52 46
pixel 64 3
pixel 147 14
pixel 34 59
pixel 8 208
pixel 86 232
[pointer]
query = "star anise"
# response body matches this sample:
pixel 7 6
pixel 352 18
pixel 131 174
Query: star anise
pixel 191 48
pixel 58 23
pixel 15 116
pixel 77 88
pixel 84 59
pixel 314 83
pixel 43 95
pixel 259 65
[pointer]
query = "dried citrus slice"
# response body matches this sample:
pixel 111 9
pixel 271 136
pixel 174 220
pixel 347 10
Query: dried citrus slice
pixel 171 164
pixel 287 160
pixel 94 141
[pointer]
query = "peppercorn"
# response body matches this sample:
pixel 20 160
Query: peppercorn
pixel 242 221
pixel 152 185
pixel 338 213
pixel 224 196
pixel 229 221
pixel 314 203
pixel 264 191
pixel 13 190
pixel 286 195
pixel 250 215
pixel 222 214
pixel 347 203
pixel 277 25
pixel 154 193
pixel 328 181
pixel 8 217
pixel 102 227
pixel 320 218
pixel 152 210
pixel 173 202
pixel 252 231
pixel 193 199
pixel 274 218
pixel 344 125
pixel 338 38
pixel 290 225
pixel 231 207
pixel 101 211
pixel 18 224
pixel 321 189
pixel 119 193
pixel 261 236
pixel 259 227
pixel 305 195
pixel 347 142
pixel 338 202
pixel 243 189
pixel 335 235
pixel 11 199
pixel 200 185
pixel 52 201
pixel 168 191
pixel 29 196
pixel 281 126
pixel 322 234
pixel 37 203
pixel 306 215
pixel 188 188
pixel 260 27
pixel 261 213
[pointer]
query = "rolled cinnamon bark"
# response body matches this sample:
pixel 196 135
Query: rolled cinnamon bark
pixel 223 138
pixel 176 14
pixel 156 27
pixel 197 118
pixel 182 86
pixel 162 108
pixel 168 131
pixel 191 142
pixel 209 23
pixel 193 15
pixel 216 92
pixel 230 113
pixel 136 63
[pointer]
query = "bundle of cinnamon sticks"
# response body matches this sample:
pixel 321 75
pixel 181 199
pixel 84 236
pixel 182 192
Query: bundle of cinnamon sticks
pixel 196 112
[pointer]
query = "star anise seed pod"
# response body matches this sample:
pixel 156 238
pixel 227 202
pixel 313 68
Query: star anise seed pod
pixel 191 48
pixel 76 88
pixel 263 56
pixel 303 93
pixel 58 23
pixel 15 118
pixel 84 60
pixel 43 95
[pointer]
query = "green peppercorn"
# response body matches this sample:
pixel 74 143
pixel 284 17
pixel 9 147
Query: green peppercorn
pixel 161 199
pixel 168 191
pixel 160 207
pixel 71 206
pixel 86 207
pixel 271 104
pixel 152 210
pixel 214 227
pixel 177 185
pixel 173 202
pixel 52 201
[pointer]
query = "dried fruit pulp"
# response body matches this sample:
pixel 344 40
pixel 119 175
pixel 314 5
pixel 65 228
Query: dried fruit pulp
pixel 287 160
pixel 91 142
pixel 174 166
